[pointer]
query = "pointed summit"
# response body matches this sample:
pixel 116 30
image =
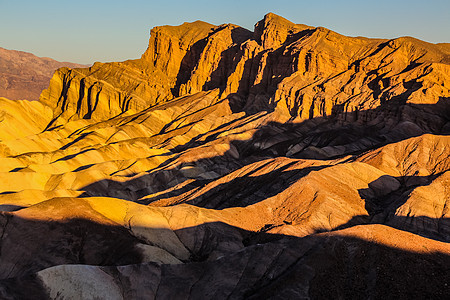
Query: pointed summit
pixel 274 18
pixel 273 30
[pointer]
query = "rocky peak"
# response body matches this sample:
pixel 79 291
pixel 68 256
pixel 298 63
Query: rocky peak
pixel 273 30
pixel 169 44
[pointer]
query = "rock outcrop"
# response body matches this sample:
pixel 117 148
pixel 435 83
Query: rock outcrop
pixel 299 71
pixel 288 162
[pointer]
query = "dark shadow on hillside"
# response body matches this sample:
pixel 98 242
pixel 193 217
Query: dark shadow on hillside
pixel 386 194
pixel 376 198
pixel 228 260
pixel 330 265
pixel 343 135
pixel 28 245
pixel 242 191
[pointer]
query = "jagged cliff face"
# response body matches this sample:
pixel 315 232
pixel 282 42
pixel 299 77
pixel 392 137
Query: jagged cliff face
pixel 299 71
pixel 286 162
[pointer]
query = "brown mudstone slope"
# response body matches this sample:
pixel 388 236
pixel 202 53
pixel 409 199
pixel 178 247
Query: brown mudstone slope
pixel 24 75
pixel 288 162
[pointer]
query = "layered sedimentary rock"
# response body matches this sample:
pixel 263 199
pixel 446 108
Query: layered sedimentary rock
pixel 24 75
pixel 287 162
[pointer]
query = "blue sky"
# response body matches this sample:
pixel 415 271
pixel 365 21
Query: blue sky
pixel 88 31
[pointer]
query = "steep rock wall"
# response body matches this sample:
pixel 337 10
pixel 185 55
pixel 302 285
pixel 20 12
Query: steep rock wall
pixel 299 71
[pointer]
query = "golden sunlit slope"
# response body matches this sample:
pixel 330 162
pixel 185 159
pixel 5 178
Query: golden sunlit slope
pixel 290 161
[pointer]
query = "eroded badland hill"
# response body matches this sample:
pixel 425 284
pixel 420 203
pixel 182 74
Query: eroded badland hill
pixel 288 162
